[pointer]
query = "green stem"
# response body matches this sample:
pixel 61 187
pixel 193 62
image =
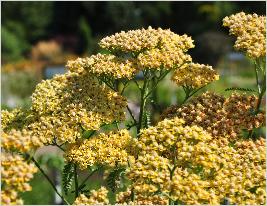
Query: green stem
pixel 171 176
pixel 76 181
pixel 48 179
pixel 131 113
pixel 143 102
pixel 189 92
pixel 157 82
pixel 83 182
pixel 261 88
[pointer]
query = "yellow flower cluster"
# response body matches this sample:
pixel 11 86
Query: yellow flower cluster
pixel 15 173
pixel 243 179
pixel 20 140
pixel 219 116
pixel 72 100
pixel 97 197
pixel 125 197
pixel 144 39
pixel 185 164
pixel 194 75
pixel 171 146
pixel 107 64
pixel 250 30
pixel 105 148
pixel 15 119
pixel 154 48
pixel 10 197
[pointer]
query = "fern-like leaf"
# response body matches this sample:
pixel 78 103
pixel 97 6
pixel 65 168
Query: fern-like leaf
pixel 67 177
pixel 146 119
pixel 240 89
pixel 114 177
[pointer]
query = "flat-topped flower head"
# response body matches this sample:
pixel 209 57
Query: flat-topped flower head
pixel 194 75
pixel 105 64
pixel 15 175
pixel 106 148
pixel 220 116
pixel 153 48
pixel 144 39
pixel 97 197
pixel 250 30
pixel 20 140
pixel 70 100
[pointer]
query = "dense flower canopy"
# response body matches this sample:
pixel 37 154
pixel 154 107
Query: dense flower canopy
pixel 108 149
pixel 73 101
pixel 185 164
pixel 250 30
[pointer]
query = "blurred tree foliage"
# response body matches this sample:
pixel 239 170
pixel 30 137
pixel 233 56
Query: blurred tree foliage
pixel 25 23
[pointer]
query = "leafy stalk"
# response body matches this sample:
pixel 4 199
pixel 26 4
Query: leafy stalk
pixel 49 180
pixel 76 181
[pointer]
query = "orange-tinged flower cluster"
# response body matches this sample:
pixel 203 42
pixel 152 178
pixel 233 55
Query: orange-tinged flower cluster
pixel 194 75
pixel 250 30
pixel 106 148
pixel 72 100
pixel 97 197
pixel 219 116
pixel 105 64
pixel 15 173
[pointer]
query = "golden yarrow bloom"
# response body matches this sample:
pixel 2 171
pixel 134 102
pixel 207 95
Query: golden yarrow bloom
pixel 20 140
pixel 70 100
pixel 97 197
pixel 15 119
pixel 194 75
pixel 15 175
pixel 191 167
pixel 172 146
pixel 105 64
pixel 10 197
pixel 144 39
pixel 106 148
pixel 153 48
pixel 250 30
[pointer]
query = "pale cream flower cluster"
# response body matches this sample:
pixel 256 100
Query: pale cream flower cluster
pixel 222 117
pixel 250 30
pixel 107 64
pixel 106 148
pixel 97 197
pixel 15 175
pixel 194 75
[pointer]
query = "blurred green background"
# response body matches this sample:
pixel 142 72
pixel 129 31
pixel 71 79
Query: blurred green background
pixel 39 37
